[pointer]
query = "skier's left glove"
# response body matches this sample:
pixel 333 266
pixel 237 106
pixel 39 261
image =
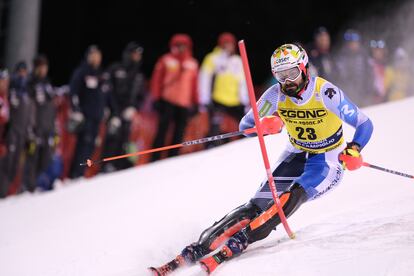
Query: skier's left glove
pixel 271 124
pixel 351 157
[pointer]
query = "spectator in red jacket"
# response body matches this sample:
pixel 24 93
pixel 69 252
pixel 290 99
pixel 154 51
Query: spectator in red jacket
pixel 4 105
pixel 174 90
pixel 4 117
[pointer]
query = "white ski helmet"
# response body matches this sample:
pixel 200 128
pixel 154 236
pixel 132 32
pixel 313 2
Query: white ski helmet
pixel 288 62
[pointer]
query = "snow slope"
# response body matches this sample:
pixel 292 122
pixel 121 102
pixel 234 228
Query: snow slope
pixel 121 223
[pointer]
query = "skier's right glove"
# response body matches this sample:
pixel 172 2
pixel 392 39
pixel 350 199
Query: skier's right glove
pixel 271 124
pixel 351 157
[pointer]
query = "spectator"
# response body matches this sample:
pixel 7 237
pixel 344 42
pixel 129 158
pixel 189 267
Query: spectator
pixel 378 63
pixel 222 85
pixel 320 54
pixel 127 86
pixel 4 108
pixel 174 90
pixel 355 76
pixel 4 118
pixel 88 101
pixel 42 94
pixel 20 135
pixel 397 77
pixel 65 130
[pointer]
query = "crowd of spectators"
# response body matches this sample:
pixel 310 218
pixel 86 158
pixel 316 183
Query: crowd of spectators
pixel 367 70
pixel 47 131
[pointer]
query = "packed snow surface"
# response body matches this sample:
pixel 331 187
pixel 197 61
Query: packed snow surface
pixel 121 223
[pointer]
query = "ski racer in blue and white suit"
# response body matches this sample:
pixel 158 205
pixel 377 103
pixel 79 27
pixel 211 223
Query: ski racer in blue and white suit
pixel 312 110
pixel 314 164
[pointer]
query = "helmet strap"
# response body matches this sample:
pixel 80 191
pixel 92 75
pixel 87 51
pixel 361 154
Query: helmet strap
pixel 304 85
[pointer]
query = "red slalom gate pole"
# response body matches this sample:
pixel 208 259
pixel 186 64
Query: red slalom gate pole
pixel 270 178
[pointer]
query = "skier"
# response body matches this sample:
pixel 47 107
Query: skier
pixel 313 110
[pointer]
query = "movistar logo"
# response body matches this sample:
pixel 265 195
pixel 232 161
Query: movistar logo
pixel 347 110
pixel 303 114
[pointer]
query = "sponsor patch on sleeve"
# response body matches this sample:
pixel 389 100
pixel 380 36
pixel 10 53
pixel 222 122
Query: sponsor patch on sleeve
pixel 265 108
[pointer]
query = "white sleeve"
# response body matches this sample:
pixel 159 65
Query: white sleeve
pixel 205 80
pixel 243 92
pixel 337 102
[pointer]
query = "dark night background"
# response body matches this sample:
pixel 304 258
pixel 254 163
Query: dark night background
pixel 67 27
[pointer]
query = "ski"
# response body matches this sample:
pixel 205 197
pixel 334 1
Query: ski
pixel 169 267
pixel 210 263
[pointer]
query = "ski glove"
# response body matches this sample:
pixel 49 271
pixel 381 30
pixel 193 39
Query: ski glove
pixel 271 124
pixel 129 113
pixel 113 125
pixel 351 157
pixel 75 122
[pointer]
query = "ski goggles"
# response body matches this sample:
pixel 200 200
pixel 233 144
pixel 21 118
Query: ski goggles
pixel 352 36
pixel 290 74
pixel 377 44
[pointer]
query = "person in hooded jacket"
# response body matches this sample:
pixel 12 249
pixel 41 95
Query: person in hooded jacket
pixel 320 55
pixel 222 86
pixel 127 93
pixel 354 72
pixel 174 90
pixel 88 100
pixel 42 94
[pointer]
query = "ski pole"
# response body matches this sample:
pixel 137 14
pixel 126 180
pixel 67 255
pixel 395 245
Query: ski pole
pixel 386 170
pixel 252 130
pixel 252 97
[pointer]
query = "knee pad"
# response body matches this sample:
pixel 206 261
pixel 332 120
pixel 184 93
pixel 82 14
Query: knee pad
pixel 263 224
pixel 219 232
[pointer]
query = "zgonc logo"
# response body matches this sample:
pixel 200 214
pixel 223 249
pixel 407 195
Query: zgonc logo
pixel 303 114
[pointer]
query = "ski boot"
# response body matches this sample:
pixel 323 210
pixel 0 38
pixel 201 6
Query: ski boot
pixel 234 246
